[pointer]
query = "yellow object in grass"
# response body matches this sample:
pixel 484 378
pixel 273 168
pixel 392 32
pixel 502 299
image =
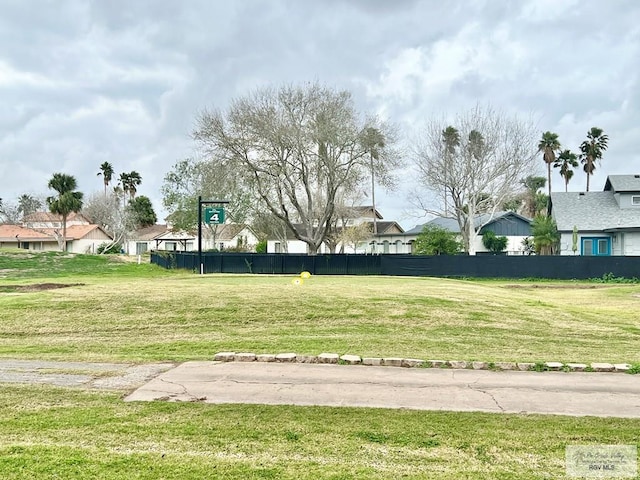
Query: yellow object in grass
pixel 305 275
pixel 297 281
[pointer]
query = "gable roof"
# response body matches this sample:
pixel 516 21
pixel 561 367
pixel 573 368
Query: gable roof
pixel 150 232
pixel 451 224
pixel 48 217
pixel 591 211
pixel 623 183
pixel 74 232
pixel 229 231
pixel 360 211
pixel 80 231
pixel 14 233
pixel 386 227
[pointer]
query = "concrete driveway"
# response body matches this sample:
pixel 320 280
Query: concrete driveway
pixel 578 394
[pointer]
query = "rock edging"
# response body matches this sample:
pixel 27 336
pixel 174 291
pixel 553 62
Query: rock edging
pixel 348 359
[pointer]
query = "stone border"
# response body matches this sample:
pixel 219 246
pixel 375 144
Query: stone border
pixel 347 359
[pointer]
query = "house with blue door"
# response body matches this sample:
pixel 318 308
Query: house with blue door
pixel 600 223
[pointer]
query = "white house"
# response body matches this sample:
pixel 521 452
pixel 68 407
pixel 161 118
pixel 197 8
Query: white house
pixel 41 231
pixel 605 223
pixel 389 238
pixel 162 237
pixel 508 224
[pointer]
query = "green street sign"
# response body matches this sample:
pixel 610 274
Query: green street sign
pixel 214 215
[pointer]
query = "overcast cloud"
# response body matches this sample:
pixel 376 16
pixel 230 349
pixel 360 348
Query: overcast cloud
pixel 83 82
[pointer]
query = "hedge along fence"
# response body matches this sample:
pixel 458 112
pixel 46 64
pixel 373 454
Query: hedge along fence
pixel 482 266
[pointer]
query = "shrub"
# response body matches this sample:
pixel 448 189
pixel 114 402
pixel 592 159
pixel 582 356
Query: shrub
pixel 434 240
pixel 109 248
pixel 261 246
pixel 493 243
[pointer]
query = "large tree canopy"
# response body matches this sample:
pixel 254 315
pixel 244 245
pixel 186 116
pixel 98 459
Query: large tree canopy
pixel 296 148
pixel 476 162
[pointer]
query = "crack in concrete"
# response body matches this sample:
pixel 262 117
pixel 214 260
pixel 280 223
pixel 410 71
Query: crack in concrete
pixel 485 392
pixel 185 392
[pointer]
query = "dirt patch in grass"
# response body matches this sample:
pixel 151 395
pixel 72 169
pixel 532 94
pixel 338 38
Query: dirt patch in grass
pixel 36 287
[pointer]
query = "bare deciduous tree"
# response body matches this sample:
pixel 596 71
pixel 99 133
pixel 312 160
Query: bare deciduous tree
pixel 108 212
pixel 296 148
pixel 479 171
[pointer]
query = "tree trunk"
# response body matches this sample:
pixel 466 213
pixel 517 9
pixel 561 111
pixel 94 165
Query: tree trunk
pixel 588 175
pixel 64 233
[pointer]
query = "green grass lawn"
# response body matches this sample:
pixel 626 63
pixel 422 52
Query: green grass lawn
pixel 55 433
pixel 128 312
pixel 119 311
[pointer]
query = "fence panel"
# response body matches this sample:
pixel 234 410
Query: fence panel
pixel 485 266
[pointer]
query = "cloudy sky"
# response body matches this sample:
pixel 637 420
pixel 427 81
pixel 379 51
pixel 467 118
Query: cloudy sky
pixel 83 82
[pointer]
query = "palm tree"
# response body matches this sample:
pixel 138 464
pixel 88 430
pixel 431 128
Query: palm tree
pixel 545 234
pixel 592 149
pixel 28 205
pixel 567 161
pixel 106 170
pixel 129 183
pixel 123 184
pixel 549 144
pixel 66 201
pixel 451 138
pixel 534 201
pixel 373 141
pixel 476 144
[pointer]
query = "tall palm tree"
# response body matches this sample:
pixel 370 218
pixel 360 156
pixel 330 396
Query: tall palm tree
pixel 451 139
pixel 28 205
pixel 106 170
pixel 549 145
pixel 567 161
pixel 123 183
pixel 65 202
pixel 373 142
pixel 134 180
pixel 592 149
pixel 476 144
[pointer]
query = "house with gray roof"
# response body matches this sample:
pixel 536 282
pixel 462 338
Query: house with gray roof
pixel 508 224
pixel 606 222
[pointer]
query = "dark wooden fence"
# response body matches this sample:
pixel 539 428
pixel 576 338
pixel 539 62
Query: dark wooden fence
pixel 484 266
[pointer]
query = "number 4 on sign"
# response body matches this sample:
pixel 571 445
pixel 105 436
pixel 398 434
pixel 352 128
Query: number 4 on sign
pixel 214 216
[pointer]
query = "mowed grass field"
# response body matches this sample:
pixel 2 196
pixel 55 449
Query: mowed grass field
pixel 114 311
pixel 124 312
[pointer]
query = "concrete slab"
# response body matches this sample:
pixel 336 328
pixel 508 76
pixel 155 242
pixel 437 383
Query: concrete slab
pixel 578 394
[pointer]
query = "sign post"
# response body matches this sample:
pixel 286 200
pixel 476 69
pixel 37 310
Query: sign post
pixel 213 216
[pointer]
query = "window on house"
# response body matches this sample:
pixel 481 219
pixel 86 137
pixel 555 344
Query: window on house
pixel 141 247
pixel 598 246
pixel 277 247
pixel 171 246
pixel 635 200
pixel 385 247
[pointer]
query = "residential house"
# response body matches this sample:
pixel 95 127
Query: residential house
pixel 41 231
pixel 508 224
pixel 52 220
pixel 233 235
pixel 605 223
pixel 389 238
pixel 17 236
pixel 162 237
